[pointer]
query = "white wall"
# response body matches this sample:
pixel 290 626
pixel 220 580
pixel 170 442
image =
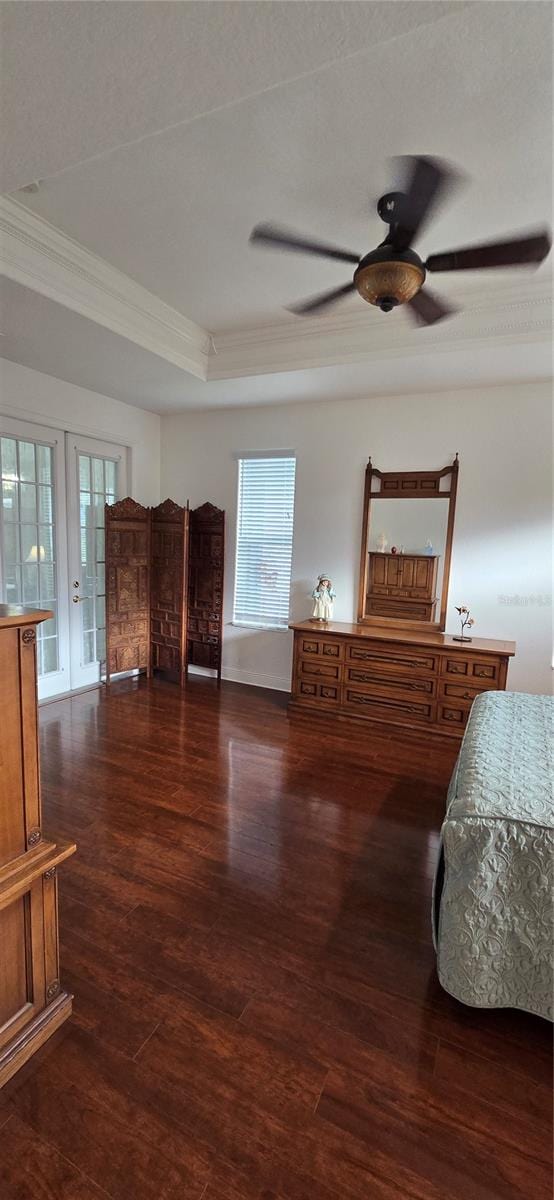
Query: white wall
pixel 31 396
pixel 502 550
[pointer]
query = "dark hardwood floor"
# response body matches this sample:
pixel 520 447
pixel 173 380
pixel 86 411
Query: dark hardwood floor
pixel 245 927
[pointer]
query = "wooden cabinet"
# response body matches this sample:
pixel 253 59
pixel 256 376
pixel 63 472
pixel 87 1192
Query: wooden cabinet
pixel 402 585
pixel 405 678
pixel 33 1002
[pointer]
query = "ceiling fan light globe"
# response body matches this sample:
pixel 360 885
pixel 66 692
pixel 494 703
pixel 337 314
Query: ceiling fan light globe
pixel 387 284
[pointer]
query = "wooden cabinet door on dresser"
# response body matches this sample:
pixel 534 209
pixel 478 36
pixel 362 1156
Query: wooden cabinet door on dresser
pixel 33 1003
pixel 402 585
pixel 401 678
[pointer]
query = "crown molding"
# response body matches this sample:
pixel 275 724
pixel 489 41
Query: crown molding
pixel 41 257
pixel 512 308
pixel 495 315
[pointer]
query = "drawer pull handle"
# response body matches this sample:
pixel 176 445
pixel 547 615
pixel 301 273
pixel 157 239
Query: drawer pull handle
pixel 417 687
pixel 404 662
pixel 482 675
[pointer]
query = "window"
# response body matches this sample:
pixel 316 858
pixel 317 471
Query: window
pixel 29 537
pixel 264 541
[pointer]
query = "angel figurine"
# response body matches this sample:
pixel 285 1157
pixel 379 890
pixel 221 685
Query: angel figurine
pixel 324 595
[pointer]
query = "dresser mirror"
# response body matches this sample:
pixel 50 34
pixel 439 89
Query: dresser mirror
pixel 408 523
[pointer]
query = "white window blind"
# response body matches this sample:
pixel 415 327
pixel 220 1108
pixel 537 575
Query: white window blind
pixel 264 541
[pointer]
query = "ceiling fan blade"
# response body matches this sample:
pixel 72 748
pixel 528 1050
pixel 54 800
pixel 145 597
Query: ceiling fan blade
pixel 315 303
pixel 427 180
pixel 516 252
pixel 426 308
pixel 272 235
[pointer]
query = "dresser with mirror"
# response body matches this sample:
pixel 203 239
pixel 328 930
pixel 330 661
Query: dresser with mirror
pixel 395 665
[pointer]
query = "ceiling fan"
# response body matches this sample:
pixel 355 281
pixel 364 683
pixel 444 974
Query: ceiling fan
pixel 393 273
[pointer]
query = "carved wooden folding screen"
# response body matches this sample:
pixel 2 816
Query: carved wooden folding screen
pixel 127 587
pixel 168 588
pixel 205 598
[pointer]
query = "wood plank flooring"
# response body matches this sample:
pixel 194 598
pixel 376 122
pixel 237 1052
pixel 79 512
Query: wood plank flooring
pixel 245 927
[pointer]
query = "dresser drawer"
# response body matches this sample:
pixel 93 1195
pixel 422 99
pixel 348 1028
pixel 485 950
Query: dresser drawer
pixel 482 672
pixel 319 668
pixel 321 647
pixel 392 606
pixel 456 692
pixel 392 661
pixel 368 679
pixel 322 694
pixel 388 708
pixel 455 714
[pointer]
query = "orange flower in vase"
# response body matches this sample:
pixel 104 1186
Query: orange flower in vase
pixel 466 622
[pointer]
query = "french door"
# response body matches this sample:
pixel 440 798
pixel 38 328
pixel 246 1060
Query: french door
pixel 96 475
pixel 54 488
pixel 33 549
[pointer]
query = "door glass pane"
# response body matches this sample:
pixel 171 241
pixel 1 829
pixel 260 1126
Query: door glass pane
pixel 45 504
pixel 110 475
pixel 45 543
pixel 97 475
pixel 10 499
pixel 29 550
pixel 27 502
pixel 47 582
pixel 84 472
pixel 97 485
pixel 44 465
pixel 9 458
pixel 27 461
pixel 30 584
pixel 29 543
pixel 49 655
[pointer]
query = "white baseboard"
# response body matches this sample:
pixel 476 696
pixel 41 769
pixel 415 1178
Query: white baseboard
pixel 256 679
pixel 276 683
pixel 207 671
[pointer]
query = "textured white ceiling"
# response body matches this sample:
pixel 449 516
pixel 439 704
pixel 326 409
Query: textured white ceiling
pixel 164 131
pixel 174 210
pixel 79 80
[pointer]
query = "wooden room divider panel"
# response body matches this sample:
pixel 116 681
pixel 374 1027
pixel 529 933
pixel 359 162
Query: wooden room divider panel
pixel 168 588
pixel 127 587
pixel 164 588
pixel 205 600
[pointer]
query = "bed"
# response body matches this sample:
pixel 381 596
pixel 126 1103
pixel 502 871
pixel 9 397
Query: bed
pixel 493 899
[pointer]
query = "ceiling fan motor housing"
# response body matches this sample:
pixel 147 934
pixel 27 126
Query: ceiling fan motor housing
pixel 387 277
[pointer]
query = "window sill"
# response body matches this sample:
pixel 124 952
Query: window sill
pixel 262 628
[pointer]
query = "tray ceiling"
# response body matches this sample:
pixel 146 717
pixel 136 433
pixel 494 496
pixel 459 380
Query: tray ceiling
pixel 162 132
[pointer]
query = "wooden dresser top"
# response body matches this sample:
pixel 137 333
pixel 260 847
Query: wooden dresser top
pixel 16 614
pixel 411 637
